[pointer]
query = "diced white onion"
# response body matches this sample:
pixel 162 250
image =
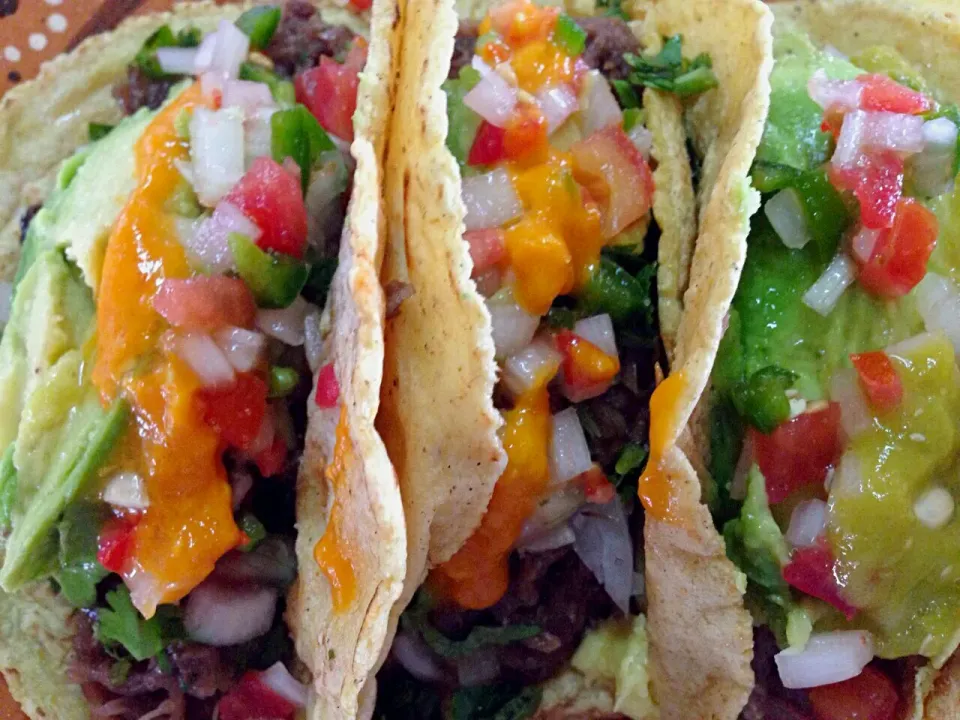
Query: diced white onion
pixel 219 614
pixel 205 358
pixel 211 85
pixel 598 329
pixel 273 562
pixel 6 301
pixel 642 139
pixel 606 548
pixel 599 106
pixel 243 348
pixel 258 135
pixel 827 658
pixel 126 490
pixel 279 679
pixel 557 103
pixel 864 131
pixel 490 200
pixel 931 171
pixel 223 51
pixel 847 479
pixel 480 65
pixel 241 483
pixel 246 95
pixel 513 327
pixel 493 98
pixel 785 213
pixel 807 523
pixel 938 302
pixel 286 324
pixel 934 507
pixel 177 61
pixel 313 341
pixel 855 414
pixel 208 246
pixel 534 365
pixel 552 511
pixel 416 657
pixel 863 243
pixel 216 149
pixel 557 537
pixel 569 452
pixel 841 95
pixel 825 293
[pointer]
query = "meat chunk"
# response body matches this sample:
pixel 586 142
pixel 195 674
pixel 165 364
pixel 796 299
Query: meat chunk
pixel 140 90
pixel 608 40
pixel 302 37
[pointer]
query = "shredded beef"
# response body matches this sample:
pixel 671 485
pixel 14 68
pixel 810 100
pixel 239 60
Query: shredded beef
pixel 608 39
pixel 26 219
pixel 140 90
pixel 302 37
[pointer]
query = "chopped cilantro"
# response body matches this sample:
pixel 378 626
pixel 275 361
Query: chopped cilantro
pixel 613 8
pixel 668 70
pixel 494 702
pixel 121 624
pixel 627 94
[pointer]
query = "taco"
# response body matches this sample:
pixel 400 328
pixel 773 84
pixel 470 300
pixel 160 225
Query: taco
pixel 831 424
pixel 196 320
pixel 541 200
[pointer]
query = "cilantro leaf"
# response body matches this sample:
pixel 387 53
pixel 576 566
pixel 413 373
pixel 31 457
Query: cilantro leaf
pixel 123 625
pixel 494 702
pixel 79 569
pixel 669 71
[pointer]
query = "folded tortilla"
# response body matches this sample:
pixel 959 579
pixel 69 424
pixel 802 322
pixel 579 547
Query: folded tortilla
pixel 42 123
pixel 438 420
pixel 927 35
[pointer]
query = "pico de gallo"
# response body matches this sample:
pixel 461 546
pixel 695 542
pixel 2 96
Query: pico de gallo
pixel 555 159
pixel 836 389
pixel 171 353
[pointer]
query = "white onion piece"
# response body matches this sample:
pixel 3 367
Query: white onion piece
pixel 126 490
pixel 807 523
pixel 279 679
pixel 600 107
pixel 241 483
pixel 228 50
pixel 552 512
pixel 825 293
pixel 864 131
pixel 243 348
pixel 205 358
pixel 313 341
pixel 208 246
pixel 273 562
pixel 416 657
pixel 216 149
pixel 934 507
pixel 931 171
pixel 493 98
pixel 552 539
pixel 535 365
pixel 738 486
pixel 513 327
pixel 258 135
pixel 786 214
pixel 246 95
pixel 211 85
pixel 827 658
pixel 490 200
pixel 286 324
pixel 598 329
pixel 219 614
pixel 855 414
pixel 840 95
pixel 478 64
pixel 6 301
pixel 177 61
pixel 569 452
pixel 204 56
pixel 642 139
pixel 605 547
pixel 863 243
pixel 847 479
pixel 938 302
pixel 557 103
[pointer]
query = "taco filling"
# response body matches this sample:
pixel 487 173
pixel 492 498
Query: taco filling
pixel 546 125
pixel 158 358
pixel 836 391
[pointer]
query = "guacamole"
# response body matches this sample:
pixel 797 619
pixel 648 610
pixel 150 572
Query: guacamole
pixel 890 564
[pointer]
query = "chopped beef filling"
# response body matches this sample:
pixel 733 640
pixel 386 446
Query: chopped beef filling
pixel 26 219
pixel 303 37
pixel 140 90
pixel 608 39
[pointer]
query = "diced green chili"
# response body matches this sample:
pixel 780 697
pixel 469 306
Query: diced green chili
pixel 275 280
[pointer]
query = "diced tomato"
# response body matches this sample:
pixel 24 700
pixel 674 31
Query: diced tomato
pixel 587 370
pixel 330 90
pixel 596 487
pixel 522 21
pixel 487 147
pixel 871 695
pixel 811 571
pixel 900 255
pixel 883 93
pixel 236 411
pixel 272 198
pixel 115 544
pixel 526 135
pixel 494 52
pixel 487 248
pixel 617 176
pixel 879 379
pixel 799 452
pixel 832 121
pixel 270 461
pixel 251 699
pixel 205 303
pixel 361 5
pixel 877 183
pixel 328 388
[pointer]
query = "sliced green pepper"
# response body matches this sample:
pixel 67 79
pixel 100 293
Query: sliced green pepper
pixel 259 24
pixel 275 280
pixel 631 118
pixel 762 400
pixel 282 90
pixel 627 94
pixel 298 135
pixel 571 38
pixel 614 291
pixel 146 58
